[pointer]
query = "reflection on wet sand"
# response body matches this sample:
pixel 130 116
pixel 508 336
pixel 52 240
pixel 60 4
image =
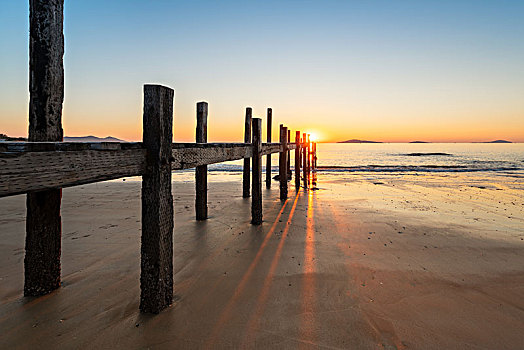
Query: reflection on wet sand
pixel 308 306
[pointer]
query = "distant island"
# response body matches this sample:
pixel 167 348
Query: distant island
pixel 358 141
pixel 91 138
pixel 498 141
pixel 420 142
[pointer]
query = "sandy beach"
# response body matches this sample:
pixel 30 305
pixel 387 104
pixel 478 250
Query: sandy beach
pixel 364 262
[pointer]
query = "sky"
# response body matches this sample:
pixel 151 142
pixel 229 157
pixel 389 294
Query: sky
pixel 392 71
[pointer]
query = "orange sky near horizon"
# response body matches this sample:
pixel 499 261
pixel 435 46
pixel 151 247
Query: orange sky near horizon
pixel 229 128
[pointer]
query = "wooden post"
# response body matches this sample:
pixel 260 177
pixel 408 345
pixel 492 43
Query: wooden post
pixel 268 160
pixel 282 165
pixel 297 160
pixel 304 158
pixel 201 171
pixel 289 173
pixel 46 91
pixel 156 278
pixel 314 156
pixel 247 139
pixel 308 156
pixel 256 201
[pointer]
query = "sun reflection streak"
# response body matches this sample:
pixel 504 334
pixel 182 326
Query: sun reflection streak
pixel 252 325
pixel 307 322
pixel 226 313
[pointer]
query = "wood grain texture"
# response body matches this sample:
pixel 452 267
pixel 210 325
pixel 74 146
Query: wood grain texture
pixel 247 139
pixel 27 167
pixel 46 96
pixel 256 201
pixel 156 277
pixel 282 164
pixel 268 135
pixel 36 171
pixel 201 170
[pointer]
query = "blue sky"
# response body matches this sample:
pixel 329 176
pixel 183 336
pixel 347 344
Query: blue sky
pixel 387 70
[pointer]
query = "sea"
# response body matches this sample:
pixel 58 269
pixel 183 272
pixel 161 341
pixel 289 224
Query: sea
pixel 491 158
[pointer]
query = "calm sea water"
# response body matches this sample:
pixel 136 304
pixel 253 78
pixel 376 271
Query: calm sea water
pixel 411 157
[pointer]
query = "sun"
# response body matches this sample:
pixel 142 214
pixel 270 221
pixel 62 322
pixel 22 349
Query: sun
pixel 313 137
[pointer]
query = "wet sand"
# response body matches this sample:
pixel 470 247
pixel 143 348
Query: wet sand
pixel 363 262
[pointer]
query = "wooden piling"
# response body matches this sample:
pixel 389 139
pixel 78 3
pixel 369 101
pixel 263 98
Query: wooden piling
pixel 289 173
pixel 247 139
pixel 297 160
pixel 282 165
pixel 256 201
pixel 268 160
pixel 156 278
pixel 46 91
pixel 201 171
pixel 304 159
pixel 308 156
pixel 314 165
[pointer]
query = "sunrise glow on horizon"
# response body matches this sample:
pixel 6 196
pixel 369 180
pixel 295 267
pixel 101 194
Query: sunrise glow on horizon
pixel 446 71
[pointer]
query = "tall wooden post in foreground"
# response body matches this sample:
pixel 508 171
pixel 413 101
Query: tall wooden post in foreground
pixel 282 164
pixel 304 159
pixel 46 90
pixel 156 278
pixel 268 160
pixel 297 160
pixel 201 171
pixel 256 201
pixel 247 139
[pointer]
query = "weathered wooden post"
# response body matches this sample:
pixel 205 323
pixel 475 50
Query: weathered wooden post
pixel 308 156
pixel 297 160
pixel 282 165
pixel 46 91
pixel 247 139
pixel 289 173
pixel 201 171
pixel 256 200
pixel 314 156
pixel 304 158
pixel 156 278
pixel 268 160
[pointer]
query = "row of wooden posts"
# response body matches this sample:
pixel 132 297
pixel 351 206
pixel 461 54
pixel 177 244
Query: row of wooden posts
pixel 304 149
pixel 45 165
pixel 157 206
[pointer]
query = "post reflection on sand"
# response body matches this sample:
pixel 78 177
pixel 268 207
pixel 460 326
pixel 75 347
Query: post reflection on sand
pixel 307 322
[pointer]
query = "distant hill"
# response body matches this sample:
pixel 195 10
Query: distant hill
pixel 498 141
pixel 91 138
pixel 358 141
pixel 420 142
pixel 4 137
